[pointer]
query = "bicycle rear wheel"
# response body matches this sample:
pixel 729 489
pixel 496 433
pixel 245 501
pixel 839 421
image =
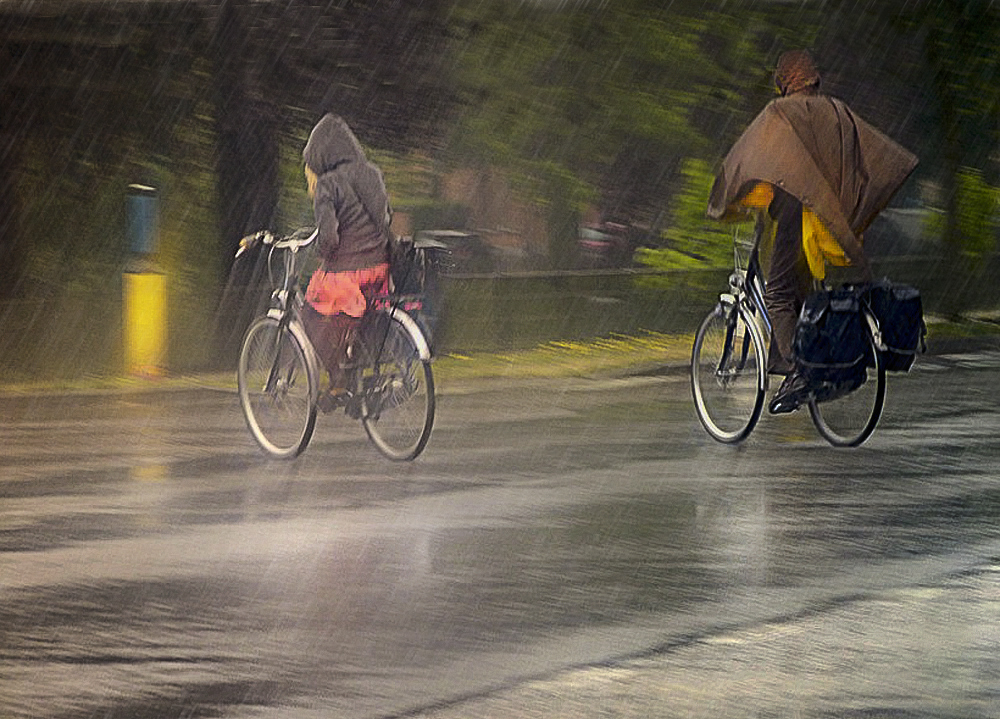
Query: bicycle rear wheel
pixel 848 420
pixel 277 389
pixel 397 389
pixel 728 373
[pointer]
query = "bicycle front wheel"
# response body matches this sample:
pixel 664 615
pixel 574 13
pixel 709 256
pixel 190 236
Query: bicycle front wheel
pixel 849 419
pixel 728 374
pixel 397 389
pixel 277 389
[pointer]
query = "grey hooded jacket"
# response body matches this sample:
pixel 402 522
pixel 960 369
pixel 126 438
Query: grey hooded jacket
pixel 351 205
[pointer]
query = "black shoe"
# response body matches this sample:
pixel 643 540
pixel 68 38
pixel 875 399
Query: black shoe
pixel 352 407
pixel 792 394
pixel 331 399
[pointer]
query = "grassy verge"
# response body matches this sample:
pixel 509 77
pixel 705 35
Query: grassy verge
pixel 609 355
pixel 112 384
pixel 617 354
pixel 613 354
pixel 979 326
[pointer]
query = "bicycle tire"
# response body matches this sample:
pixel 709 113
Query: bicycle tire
pixel 278 387
pixel 849 420
pixel 396 386
pixel 728 373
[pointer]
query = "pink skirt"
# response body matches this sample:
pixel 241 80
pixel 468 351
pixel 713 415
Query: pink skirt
pixel 348 292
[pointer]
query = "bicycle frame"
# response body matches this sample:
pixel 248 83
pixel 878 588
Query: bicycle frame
pixel 286 300
pixel 748 292
pixel 748 283
pixel 376 326
pixel 281 402
pixel 728 404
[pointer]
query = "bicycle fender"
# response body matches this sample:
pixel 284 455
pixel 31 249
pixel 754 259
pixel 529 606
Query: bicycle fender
pixel 750 322
pixel 413 329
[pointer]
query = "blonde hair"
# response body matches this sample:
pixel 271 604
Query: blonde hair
pixel 311 179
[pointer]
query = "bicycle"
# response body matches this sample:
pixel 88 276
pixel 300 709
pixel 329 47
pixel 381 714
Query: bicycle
pixel 729 377
pixel 390 383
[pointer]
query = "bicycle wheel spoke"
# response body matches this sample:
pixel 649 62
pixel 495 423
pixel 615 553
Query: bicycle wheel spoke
pixel 398 394
pixel 275 389
pixel 726 375
pixel 849 419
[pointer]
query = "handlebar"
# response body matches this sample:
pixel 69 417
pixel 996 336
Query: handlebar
pixel 297 240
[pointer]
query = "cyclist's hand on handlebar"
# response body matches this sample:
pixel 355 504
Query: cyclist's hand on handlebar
pixel 250 240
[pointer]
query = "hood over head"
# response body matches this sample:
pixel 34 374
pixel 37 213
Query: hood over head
pixel 335 155
pixel 331 143
pixel 796 71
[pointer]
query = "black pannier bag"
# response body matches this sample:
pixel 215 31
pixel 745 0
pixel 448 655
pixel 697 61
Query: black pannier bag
pixel 899 312
pixel 831 341
pixel 416 267
pixel 406 266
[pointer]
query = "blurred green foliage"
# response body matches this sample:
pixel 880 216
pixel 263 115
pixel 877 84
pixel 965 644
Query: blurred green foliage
pixel 977 207
pixel 73 214
pixel 595 105
pixel 624 106
pixel 690 239
pixel 976 216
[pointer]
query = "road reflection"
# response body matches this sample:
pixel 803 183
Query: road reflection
pixel 583 552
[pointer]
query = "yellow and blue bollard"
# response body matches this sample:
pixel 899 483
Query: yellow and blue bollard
pixel 145 289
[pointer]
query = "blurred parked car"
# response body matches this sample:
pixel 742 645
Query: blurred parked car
pixel 468 252
pixel 608 244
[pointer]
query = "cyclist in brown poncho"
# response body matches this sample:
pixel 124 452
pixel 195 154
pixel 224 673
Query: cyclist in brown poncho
pixel 822 174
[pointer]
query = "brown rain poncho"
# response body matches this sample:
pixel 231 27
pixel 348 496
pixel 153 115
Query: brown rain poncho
pixel 815 148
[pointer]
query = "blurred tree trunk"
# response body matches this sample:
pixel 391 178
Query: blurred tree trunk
pixel 961 45
pixel 12 250
pixel 247 164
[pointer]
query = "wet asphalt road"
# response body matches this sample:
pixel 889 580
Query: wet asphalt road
pixel 572 548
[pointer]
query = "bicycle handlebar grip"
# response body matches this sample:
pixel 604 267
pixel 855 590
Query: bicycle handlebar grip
pixel 250 240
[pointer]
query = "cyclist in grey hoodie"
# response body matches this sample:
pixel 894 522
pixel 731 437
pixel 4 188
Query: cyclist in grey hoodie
pixel 351 209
